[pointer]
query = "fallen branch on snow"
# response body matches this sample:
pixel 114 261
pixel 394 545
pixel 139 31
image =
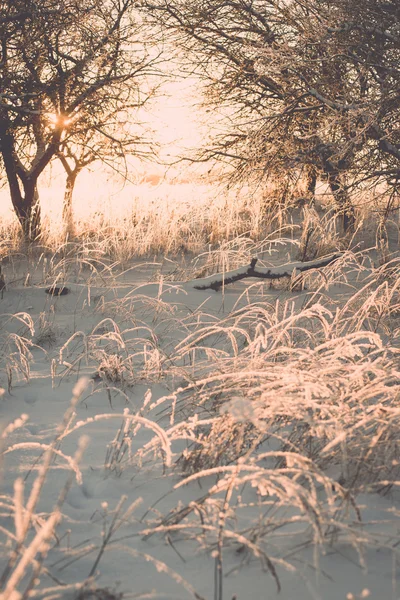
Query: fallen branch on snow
pixel 215 282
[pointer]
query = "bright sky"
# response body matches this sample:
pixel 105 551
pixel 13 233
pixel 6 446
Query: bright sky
pixel 177 118
pixel 176 122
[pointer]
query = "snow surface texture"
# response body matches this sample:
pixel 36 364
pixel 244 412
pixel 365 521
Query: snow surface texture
pixel 223 436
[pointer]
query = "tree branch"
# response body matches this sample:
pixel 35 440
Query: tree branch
pixel 215 282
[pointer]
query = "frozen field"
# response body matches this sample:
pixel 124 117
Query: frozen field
pixel 234 443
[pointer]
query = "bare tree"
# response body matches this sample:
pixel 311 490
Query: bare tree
pixel 62 64
pixel 307 85
pixel 108 141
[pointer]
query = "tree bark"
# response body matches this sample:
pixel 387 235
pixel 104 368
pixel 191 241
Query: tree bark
pixel 334 170
pixel 68 215
pixel 219 280
pixel 311 181
pixel 344 207
pixel 26 204
pixel 29 213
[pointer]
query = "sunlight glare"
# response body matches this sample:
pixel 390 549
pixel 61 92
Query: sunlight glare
pixel 57 119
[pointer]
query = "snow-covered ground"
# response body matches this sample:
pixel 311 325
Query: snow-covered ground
pixel 138 349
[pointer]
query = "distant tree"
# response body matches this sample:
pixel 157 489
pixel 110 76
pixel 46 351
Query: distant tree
pixel 308 86
pixel 108 141
pixel 63 63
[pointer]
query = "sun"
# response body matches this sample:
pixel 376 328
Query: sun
pixel 60 120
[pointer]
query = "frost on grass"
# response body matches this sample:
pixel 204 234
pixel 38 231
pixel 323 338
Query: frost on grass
pixel 253 431
pixel 299 406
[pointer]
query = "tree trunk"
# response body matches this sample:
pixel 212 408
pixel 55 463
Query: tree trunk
pixel 335 169
pixel 29 213
pixel 344 208
pixel 26 205
pixel 27 209
pixel 311 181
pixel 68 215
